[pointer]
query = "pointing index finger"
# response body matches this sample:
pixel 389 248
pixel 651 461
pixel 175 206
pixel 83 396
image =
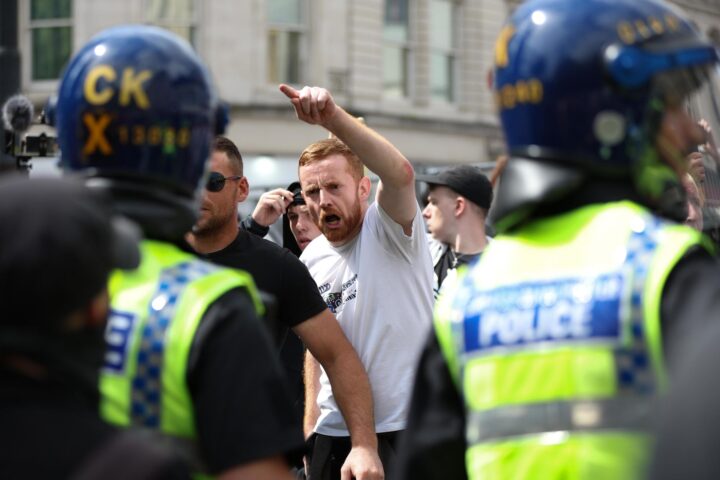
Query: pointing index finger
pixel 289 91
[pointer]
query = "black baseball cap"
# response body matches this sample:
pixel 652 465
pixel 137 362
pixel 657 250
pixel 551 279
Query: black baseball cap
pixel 296 190
pixel 59 241
pixel 467 180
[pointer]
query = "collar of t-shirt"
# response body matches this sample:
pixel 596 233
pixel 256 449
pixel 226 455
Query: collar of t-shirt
pixel 450 261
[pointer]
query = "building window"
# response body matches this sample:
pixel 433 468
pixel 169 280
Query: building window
pixel 178 16
pixel 51 37
pixel 396 48
pixel 287 28
pixel 443 49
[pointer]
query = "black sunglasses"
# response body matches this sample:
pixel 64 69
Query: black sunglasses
pixel 216 181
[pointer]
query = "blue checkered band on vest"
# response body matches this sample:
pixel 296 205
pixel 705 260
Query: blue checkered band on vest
pixel 635 374
pixel 147 383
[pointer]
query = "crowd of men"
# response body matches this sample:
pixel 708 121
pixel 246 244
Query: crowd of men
pixel 149 332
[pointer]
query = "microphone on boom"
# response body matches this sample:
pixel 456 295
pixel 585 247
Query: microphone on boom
pixel 18 113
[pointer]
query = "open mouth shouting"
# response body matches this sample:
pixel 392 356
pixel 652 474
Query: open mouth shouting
pixel 338 227
pixel 331 220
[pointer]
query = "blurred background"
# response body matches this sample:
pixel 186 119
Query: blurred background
pixel 418 71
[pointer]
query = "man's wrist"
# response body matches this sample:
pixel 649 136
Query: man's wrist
pixel 248 223
pixel 365 441
pixel 332 123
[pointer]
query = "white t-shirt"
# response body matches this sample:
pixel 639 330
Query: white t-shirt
pixel 380 286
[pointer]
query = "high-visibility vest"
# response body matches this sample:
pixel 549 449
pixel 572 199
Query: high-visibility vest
pixel 155 313
pixel 553 339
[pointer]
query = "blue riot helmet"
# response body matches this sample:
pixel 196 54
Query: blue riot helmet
pixel 581 88
pixel 137 113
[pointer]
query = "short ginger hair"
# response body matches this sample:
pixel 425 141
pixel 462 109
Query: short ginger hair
pixel 332 146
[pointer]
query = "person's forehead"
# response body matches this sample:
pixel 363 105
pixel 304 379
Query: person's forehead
pixel 219 161
pixel 334 167
pixel 298 209
pixel 440 191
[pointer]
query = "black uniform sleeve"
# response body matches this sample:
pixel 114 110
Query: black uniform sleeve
pixel 690 301
pixel 243 410
pixel 300 296
pixel 688 436
pixel 687 423
pixel 433 445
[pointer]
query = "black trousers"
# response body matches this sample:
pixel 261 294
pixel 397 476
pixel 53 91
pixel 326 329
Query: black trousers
pixel 327 454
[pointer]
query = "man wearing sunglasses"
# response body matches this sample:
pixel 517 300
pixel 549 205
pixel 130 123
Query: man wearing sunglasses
pixel 218 236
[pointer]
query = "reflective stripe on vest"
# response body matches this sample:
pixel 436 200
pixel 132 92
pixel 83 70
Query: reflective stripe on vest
pixel 624 413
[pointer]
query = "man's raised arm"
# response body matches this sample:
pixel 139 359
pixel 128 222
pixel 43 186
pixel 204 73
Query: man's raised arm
pixel 396 192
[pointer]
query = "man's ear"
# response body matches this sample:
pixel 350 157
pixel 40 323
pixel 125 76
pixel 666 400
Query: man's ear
pixel 460 205
pixel 243 189
pixel 364 187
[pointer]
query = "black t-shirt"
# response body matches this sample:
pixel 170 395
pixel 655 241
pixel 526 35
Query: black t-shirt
pixel 433 445
pixel 275 271
pixel 278 272
pixel 450 261
pixel 243 410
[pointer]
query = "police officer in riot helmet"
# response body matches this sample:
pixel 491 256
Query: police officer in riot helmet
pixel 548 352
pixel 136 116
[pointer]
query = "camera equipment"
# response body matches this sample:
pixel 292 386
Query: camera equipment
pixel 18 115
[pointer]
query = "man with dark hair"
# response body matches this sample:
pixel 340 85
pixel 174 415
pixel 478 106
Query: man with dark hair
pixel 58 245
pixel 298 228
pixel 217 236
pixel 215 214
pixel 458 203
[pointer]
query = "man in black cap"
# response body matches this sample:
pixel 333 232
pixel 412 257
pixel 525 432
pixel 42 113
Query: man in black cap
pixel 58 244
pixel 458 204
pixel 298 227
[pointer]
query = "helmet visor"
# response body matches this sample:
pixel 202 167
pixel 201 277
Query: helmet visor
pixel 687 140
pixel 704 159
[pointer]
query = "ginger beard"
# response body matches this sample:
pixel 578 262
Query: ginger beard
pixel 334 225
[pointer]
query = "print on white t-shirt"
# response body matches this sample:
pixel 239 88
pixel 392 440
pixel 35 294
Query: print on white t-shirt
pixel 380 287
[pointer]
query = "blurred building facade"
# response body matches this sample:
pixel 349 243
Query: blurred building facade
pixel 418 71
